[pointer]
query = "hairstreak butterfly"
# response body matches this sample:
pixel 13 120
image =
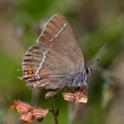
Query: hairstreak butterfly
pixel 55 61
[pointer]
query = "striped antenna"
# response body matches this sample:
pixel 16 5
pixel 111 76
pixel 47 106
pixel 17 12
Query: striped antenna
pixel 95 60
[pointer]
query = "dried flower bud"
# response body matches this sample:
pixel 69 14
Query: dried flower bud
pixel 29 113
pixel 27 117
pixel 39 113
pixel 21 107
pixel 69 97
pixel 77 97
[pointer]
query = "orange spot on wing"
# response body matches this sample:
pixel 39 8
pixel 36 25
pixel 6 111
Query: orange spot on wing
pixel 30 71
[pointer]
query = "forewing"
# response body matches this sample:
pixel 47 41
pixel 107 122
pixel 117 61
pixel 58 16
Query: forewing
pixel 58 36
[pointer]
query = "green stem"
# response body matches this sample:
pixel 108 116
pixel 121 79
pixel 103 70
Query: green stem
pixel 54 110
pixel 72 112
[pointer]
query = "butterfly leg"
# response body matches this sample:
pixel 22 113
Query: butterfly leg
pixel 53 89
pixel 51 93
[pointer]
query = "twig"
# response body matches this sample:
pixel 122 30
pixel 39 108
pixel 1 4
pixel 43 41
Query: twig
pixel 54 110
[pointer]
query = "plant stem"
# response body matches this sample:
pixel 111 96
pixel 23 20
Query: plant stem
pixel 72 112
pixel 54 110
pixel 35 96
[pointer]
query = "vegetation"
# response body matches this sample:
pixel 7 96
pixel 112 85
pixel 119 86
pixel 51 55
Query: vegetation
pixel 94 23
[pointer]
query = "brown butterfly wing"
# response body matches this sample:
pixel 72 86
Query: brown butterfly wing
pixel 41 69
pixel 59 37
pixel 55 56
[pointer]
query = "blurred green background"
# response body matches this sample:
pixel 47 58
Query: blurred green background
pixel 94 22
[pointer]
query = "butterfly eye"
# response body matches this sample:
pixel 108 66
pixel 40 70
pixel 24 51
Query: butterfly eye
pixel 88 71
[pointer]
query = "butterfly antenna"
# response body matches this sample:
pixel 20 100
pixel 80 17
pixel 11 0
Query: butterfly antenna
pixel 95 60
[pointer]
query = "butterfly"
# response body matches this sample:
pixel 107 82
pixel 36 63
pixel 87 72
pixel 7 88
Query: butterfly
pixel 27 112
pixel 56 60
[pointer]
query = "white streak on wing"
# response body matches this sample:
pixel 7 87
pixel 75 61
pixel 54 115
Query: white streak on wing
pixel 53 38
pixel 40 66
pixel 45 53
pixel 41 63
